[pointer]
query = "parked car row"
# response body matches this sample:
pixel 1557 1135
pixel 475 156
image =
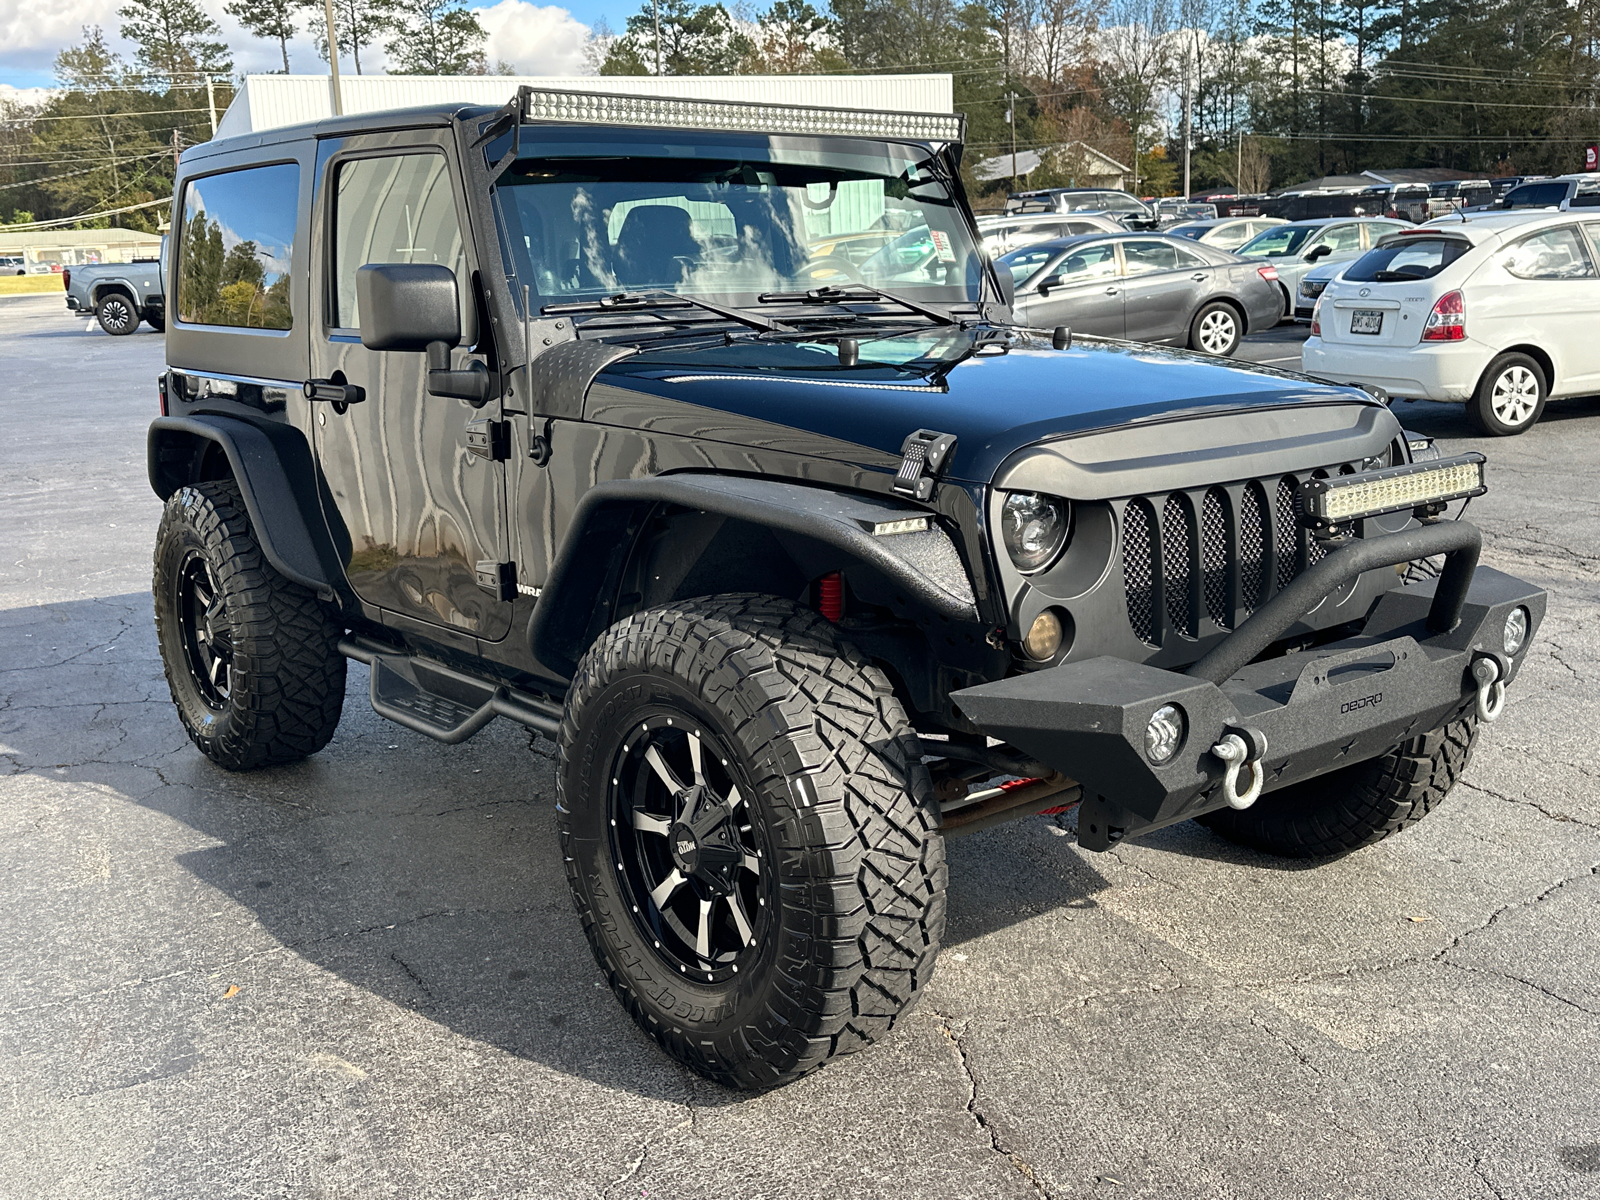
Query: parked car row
pixel 1496 311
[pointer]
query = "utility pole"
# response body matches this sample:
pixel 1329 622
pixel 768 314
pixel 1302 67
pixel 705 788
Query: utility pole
pixel 1188 124
pixel 211 103
pixel 176 151
pixel 655 9
pixel 333 59
pixel 1238 178
pixel 1011 119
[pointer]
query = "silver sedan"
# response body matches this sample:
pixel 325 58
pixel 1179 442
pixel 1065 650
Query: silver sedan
pixel 1145 288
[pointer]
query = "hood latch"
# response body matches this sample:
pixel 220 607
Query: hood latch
pixel 922 456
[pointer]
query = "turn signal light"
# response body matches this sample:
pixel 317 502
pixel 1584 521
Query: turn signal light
pixel 1448 320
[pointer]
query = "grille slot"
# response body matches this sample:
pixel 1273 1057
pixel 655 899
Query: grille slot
pixel 1214 556
pixel 1177 542
pixel 1252 546
pixel 1139 569
pixel 1287 540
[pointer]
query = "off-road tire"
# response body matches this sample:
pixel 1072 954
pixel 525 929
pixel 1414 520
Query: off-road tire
pixel 117 315
pixel 157 321
pixel 1354 807
pixel 1517 416
pixel 285 685
pixel 831 772
pixel 1216 329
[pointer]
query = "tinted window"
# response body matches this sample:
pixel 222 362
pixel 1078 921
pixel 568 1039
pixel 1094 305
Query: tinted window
pixel 1023 263
pixel 1188 259
pixel 1554 254
pixel 235 246
pixel 1092 262
pixel 1343 238
pixel 1536 195
pixel 393 210
pixel 1279 240
pixel 1144 257
pixel 1587 194
pixel 1193 231
pixel 1409 258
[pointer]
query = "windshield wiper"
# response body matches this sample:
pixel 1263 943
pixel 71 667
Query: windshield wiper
pixel 644 301
pixel 860 293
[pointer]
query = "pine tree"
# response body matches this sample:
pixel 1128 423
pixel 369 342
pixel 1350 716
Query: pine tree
pixel 696 39
pixel 359 23
pixel 177 40
pixel 271 20
pixel 433 37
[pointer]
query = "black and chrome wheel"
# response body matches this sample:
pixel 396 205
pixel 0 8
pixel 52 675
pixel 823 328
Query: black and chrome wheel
pixel 750 836
pixel 117 316
pixel 1217 330
pixel 252 658
pixel 1510 396
pixel 687 849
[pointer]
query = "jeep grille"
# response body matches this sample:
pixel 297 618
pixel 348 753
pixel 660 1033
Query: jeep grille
pixel 1212 554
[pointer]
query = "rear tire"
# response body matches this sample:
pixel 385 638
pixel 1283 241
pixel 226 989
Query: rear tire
pixel 156 321
pixel 1510 396
pixel 1216 329
pixel 117 315
pixel 252 659
pixel 1358 805
pixel 785 904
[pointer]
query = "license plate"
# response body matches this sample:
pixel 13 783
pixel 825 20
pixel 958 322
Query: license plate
pixel 1366 320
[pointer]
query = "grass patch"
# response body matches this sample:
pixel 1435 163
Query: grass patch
pixel 22 285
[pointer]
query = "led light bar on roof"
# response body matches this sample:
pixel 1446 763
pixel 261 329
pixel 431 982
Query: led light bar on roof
pixel 1325 503
pixel 595 108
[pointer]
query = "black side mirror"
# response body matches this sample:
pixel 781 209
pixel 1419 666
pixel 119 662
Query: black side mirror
pixel 1317 252
pixel 1053 281
pixel 415 306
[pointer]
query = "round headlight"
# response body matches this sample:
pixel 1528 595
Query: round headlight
pixel 1516 632
pixel 1034 528
pixel 1164 734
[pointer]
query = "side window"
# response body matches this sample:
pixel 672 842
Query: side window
pixel 1023 263
pixel 235 245
pixel 393 210
pixel 1593 230
pixel 1144 257
pixel 1345 239
pixel 1188 259
pixel 1232 237
pixel 1089 264
pixel 1554 254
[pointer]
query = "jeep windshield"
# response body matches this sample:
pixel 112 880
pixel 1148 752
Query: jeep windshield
pixel 732 217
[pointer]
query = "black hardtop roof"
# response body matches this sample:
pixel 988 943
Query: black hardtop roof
pixel 421 117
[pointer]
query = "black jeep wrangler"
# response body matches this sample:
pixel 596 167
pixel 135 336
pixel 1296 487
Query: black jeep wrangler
pixel 698 438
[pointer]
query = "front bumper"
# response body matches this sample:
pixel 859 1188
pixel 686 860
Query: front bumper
pixel 1409 670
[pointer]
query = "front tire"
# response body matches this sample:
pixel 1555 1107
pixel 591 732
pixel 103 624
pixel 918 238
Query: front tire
pixel 1510 396
pixel 157 321
pixel 252 659
pixel 750 835
pixel 116 315
pixel 1217 329
pixel 1358 805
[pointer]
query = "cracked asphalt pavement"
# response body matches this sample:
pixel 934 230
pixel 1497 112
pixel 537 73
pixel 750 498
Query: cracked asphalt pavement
pixel 361 976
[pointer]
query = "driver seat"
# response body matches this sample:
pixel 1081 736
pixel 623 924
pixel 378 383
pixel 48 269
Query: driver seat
pixel 652 241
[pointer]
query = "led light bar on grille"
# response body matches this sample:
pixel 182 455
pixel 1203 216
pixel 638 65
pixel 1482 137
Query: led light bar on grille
pixel 596 108
pixel 1325 503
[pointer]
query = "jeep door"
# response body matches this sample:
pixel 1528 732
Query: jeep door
pixel 419 511
pixel 1083 291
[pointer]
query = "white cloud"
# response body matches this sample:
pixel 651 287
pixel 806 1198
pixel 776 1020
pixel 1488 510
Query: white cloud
pixel 23 96
pixel 534 39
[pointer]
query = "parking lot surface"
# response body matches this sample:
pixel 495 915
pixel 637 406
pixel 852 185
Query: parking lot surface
pixel 361 976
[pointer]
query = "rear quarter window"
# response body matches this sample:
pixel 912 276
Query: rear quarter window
pixel 1408 258
pixel 235 245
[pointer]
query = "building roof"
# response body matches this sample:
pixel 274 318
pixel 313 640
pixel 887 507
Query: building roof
pixel 999 167
pixel 271 101
pixel 1366 179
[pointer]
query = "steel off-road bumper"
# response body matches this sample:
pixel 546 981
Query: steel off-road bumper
pixel 1409 670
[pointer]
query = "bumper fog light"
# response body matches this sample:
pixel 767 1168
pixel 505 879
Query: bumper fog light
pixel 1044 637
pixel 1516 631
pixel 1164 734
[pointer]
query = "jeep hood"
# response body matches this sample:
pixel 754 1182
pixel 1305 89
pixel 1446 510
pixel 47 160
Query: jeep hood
pixel 994 402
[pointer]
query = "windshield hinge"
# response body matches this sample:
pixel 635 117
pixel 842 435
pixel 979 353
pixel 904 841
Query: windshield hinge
pixel 922 456
pixel 489 439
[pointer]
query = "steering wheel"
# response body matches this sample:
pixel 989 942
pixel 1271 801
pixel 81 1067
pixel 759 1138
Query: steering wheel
pixel 839 263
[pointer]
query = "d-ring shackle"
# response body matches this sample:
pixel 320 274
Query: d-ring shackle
pixel 1491 688
pixel 1233 751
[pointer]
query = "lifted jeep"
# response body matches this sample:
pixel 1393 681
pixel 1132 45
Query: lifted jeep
pixel 699 439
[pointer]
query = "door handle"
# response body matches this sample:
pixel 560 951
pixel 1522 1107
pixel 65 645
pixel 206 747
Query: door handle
pixel 1111 291
pixel 1198 277
pixel 332 393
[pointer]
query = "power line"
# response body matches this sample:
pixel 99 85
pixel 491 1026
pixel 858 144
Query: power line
pixel 94 216
pixel 93 116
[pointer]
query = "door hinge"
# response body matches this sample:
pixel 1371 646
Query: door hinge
pixel 922 455
pixel 489 439
pixel 498 579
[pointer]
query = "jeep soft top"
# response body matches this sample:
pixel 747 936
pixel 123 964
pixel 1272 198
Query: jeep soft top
pixel 698 438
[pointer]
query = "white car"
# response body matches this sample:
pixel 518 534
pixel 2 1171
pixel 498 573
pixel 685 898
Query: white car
pixel 1002 234
pixel 1498 311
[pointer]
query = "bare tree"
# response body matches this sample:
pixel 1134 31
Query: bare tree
pixel 1136 52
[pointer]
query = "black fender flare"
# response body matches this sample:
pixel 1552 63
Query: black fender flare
pixel 272 464
pixel 608 518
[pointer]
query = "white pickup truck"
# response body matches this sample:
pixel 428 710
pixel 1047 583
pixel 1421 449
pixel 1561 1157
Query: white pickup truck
pixel 120 295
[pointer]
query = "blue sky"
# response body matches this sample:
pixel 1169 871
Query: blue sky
pixel 535 36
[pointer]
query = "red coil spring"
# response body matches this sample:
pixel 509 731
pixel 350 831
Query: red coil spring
pixel 830 595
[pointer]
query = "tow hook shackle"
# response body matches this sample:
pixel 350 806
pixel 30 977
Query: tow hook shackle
pixel 1238 749
pixel 1491 682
